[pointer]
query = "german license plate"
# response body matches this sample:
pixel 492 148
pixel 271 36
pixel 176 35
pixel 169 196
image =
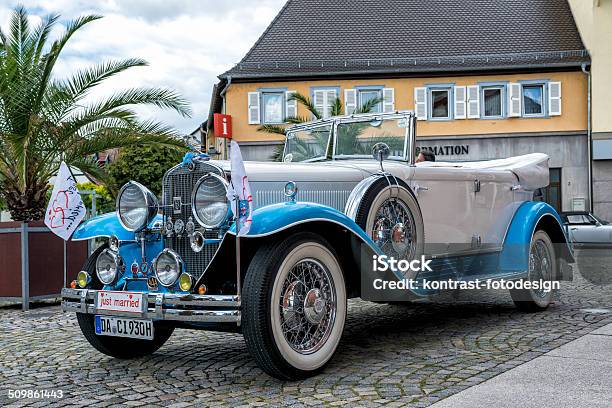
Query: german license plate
pixel 121 327
pixel 113 301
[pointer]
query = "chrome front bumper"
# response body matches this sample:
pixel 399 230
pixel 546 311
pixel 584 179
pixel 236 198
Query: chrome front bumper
pixel 162 306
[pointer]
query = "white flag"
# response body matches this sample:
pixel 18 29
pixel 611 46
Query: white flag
pixel 66 209
pixel 240 189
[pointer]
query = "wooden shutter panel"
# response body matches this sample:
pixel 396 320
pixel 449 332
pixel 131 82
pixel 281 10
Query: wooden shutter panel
pixel 554 98
pixel 473 102
pixel 319 101
pixel 254 109
pixel 291 105
pixel 420 103
pixel 388 104
pixel 460 108
pixel 514 100
pixel 330 98
pixel 350 101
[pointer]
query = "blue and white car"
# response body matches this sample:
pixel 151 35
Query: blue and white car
pixel 348 188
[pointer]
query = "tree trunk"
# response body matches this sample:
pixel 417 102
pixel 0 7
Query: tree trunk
pixel 28 206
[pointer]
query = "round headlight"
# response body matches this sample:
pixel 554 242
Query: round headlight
pixel 168 266
pixel 136 206
pixel 209 201
pixel 107 265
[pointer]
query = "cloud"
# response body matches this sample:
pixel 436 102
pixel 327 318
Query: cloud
pixel 186 42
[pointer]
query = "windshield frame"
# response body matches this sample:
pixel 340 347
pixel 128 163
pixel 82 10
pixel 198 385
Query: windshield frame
pixel 409 136
pixel 369 117
pixel 310 126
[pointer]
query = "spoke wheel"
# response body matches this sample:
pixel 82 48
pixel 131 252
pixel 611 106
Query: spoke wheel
pixel 294 306
pixel 391 216
pixel 542 267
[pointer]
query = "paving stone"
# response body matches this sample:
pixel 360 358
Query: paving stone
pixel 391 355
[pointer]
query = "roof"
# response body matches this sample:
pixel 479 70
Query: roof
pixel 336 37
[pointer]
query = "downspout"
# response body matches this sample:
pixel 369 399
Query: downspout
pixel 223 109
pixel 589 135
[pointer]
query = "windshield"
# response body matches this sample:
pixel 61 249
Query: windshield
pixel 354 136
pixel 356 139
pixel 307 144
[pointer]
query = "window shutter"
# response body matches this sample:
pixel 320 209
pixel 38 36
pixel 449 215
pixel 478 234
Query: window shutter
pixel 254 110
pixel 350 101
pixel 291 105
pixel 460 112
pixel 554 98
pixel 319 102
pixel 388 104
pixel 514 100
pixel 420 103
pixel 473 102
pixel 331 96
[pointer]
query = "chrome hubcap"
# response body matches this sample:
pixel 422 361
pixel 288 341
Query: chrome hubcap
pixel 540 266
pixel 394 230
pixel 308 306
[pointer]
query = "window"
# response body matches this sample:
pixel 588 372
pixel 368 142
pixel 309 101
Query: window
pixel 579 219
pixel 440 104
pixel 368 95
pixel 492 98
pixel 324 100
pixel 273 107
pixel 533 100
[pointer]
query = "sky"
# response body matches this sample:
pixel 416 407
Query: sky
pixel 187 43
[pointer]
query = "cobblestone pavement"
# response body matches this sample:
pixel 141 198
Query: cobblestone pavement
pixel 390 355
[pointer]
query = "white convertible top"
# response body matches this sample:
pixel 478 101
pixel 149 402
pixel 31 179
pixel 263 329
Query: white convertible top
pixel 531 169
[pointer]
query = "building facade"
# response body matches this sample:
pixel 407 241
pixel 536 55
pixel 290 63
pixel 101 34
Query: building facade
pixel 594 21
pixel 487 82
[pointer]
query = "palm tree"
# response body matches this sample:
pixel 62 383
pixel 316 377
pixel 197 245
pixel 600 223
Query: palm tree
pixel 44 120
pixel 306 102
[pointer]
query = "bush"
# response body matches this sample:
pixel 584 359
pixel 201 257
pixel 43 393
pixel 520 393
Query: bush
pixel 144 164
pixel 105 202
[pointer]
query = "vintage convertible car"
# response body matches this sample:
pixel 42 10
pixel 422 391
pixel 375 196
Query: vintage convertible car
pixel 285 285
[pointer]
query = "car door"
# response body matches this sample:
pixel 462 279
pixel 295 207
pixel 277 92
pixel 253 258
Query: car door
pixel 446 199
pixel 598 233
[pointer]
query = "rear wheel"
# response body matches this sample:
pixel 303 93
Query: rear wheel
pixel 542 268
pixel 294 306
pixel 118 347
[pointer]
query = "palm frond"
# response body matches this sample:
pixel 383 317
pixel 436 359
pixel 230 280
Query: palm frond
pixel 306 102
pixel 279 130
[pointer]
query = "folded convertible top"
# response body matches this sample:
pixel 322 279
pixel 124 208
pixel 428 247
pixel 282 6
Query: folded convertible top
pixel 531 169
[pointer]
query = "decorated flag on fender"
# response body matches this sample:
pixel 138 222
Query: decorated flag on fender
pixel 66 209
pixel 239 188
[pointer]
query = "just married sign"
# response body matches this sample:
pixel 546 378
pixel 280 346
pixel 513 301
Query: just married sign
pixel 66 209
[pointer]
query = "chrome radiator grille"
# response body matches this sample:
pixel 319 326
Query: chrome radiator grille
pixel 332 194
pixel 178 183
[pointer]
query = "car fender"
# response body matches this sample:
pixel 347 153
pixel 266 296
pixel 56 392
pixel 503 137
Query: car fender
pixel 105 225
pixel 532 215
pixel 272 219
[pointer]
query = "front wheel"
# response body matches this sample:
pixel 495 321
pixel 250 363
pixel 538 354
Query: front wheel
pixel 542 268
pixel 294 306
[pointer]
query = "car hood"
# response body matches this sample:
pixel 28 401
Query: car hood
pixel 333 171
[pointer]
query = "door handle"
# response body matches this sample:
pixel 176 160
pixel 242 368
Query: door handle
pixel 574 229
